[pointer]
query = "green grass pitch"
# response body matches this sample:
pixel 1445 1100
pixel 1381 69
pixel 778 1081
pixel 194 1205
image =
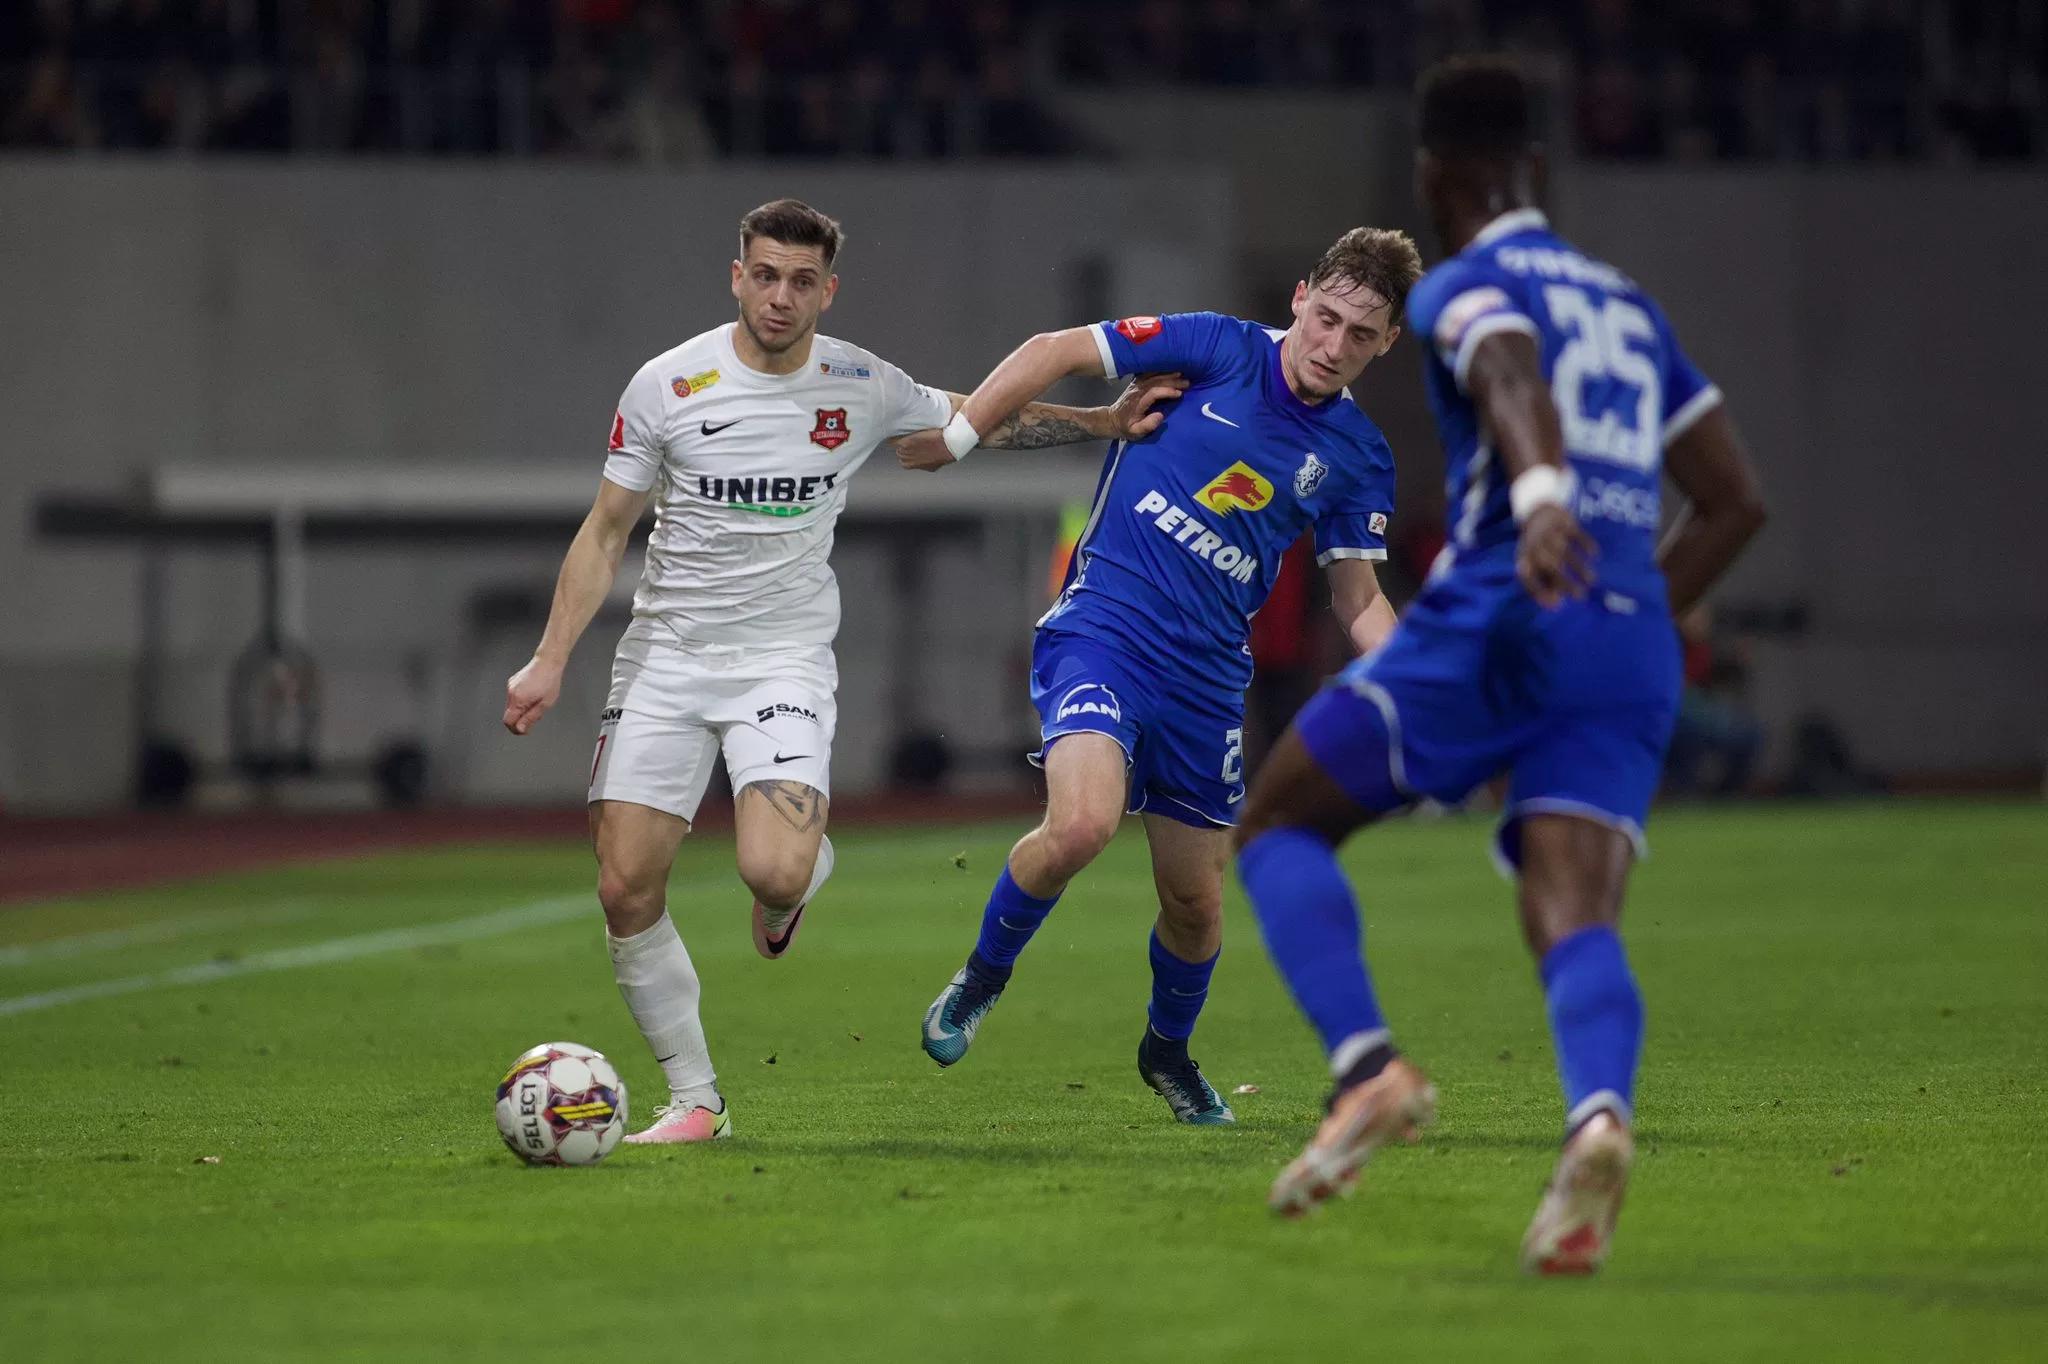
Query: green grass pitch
pixel 1841 1130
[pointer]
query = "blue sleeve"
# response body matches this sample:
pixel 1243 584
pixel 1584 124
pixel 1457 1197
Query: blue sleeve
pixel 1189 343
pixel 1688 394
pixel 1461 303
pixel 1356 527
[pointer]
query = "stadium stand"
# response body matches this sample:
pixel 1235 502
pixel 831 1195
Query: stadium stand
pixel 685 81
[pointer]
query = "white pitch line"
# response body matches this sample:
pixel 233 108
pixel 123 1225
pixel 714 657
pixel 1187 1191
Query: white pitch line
pixel 324 953
pixel 169 930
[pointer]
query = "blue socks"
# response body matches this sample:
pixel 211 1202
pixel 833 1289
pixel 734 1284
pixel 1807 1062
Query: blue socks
pixel 1006 925
pixel 1179 989
pixel 1596 1020
pixel 1310 922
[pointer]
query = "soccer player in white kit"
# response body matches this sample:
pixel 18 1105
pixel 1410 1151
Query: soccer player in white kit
pixel 745 438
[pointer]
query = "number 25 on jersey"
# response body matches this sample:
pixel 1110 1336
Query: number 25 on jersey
pixel 1594 372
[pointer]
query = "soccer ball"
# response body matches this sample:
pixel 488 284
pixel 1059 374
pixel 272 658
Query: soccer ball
pixel 561 1104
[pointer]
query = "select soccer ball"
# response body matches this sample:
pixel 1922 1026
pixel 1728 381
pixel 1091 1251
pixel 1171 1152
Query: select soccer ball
pixel 561 1104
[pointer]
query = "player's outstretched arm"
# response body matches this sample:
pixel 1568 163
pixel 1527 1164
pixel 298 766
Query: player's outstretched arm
pixel 1131 417
pixel 1358 604
pixel 587 573
pixel 1724 507
pixel 1037 426
pixel 1025 373
pixel 1555 556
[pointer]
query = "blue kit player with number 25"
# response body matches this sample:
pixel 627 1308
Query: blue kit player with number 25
pixel 1542 646
pixel 1139 669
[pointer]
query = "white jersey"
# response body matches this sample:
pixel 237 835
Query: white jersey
pixel 750 472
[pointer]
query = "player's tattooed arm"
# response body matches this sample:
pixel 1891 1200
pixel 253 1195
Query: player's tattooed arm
pixel 801 807
pixel 1039 425
pixel 1036 426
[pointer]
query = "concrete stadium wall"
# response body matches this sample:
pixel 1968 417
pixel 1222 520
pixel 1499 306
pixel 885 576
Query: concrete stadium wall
pixel 269 314
pixel 1872 330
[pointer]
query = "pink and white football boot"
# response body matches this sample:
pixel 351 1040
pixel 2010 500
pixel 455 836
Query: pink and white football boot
pixel 775 929
pixel 1574 1224
pixel 685 1122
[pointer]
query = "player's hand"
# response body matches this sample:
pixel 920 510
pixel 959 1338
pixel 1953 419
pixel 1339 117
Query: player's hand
pixel 1554 558
pixel 1132 413
pixel 924 450
pixel 530 693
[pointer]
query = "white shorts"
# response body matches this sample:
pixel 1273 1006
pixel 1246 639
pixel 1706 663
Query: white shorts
pixel 673 705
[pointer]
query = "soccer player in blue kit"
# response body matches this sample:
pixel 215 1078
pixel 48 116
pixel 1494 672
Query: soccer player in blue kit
pixel 1541 646
pixel 1139 669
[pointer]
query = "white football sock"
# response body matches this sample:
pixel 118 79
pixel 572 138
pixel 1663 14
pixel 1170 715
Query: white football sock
pixel 660 985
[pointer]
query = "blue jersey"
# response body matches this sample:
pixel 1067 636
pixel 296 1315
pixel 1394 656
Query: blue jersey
pixel 1189 524
pixel 1622 386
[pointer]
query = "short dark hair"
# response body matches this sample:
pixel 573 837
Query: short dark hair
pixel 791 222
pixel 1473 106
pixel 1375 258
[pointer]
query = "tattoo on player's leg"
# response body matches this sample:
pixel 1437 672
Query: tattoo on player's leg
pixel 802 807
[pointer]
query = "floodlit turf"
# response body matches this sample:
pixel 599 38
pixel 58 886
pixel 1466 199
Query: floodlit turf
pixel 1841 1129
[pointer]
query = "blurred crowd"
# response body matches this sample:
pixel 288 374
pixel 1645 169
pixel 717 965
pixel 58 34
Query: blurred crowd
pixel 688 80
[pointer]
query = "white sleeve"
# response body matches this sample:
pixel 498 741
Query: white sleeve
pixel 905 405
pixel 634 454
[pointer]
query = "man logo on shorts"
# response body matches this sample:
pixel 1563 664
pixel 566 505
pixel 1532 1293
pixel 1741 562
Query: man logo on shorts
pixel 1090 698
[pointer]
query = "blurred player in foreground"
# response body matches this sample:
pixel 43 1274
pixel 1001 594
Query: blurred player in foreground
pixel 1541 646
pixel 1139 669
pixel 750 431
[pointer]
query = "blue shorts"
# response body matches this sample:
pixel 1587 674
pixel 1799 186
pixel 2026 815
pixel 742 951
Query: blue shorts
pixel 1577 703
pixel 1183 741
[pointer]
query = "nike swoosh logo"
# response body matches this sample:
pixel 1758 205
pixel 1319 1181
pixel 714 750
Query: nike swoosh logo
pixel 1211 415
pixel 791 758
pixel 933 1028
pixel 1235 798
pixel 708 429
pixel 776 945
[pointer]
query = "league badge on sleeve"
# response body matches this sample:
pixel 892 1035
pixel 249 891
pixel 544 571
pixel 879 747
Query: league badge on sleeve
pixel 618 440
pixel 831 430
pixel 1139 330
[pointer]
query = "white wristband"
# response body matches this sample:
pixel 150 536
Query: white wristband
pixel 961 436
pixel 1545 485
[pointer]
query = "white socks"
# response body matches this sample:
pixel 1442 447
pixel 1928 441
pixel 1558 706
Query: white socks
pixel 660 986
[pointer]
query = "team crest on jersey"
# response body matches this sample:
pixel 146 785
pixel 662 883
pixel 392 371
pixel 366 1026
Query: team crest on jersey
pixel 1377 523
pixel 1309 476
pixel 1139 330
pixel 1239 486
pixel 831 430
pixel 695 383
